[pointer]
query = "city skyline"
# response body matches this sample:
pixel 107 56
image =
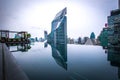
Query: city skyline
pixel 35 16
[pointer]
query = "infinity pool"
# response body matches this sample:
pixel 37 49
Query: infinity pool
pixel 67 62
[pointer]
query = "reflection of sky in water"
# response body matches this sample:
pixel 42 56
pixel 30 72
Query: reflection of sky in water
pixel 83 63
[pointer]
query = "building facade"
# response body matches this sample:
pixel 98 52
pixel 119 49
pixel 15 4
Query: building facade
pixel 58 33
pixel 59 53
pixel 79 40
pixel 103 37
pixel 114 28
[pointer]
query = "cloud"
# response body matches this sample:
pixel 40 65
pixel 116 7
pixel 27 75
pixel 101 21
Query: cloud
pixel 35 16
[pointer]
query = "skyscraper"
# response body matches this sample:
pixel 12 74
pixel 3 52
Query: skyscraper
pixel 59 28
pixel 92 35
pixel 79 40
pixel 45 35
pixel 103 37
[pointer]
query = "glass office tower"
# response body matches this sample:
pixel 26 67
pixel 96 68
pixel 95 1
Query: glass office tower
pixel 58 33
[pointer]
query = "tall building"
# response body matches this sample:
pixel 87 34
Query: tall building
pixel 79 40
pixel 103 37
pixel 92 35
pixel 58 38
pixel 45 35
pixel 89 42
pixel 36 39
pixel 114 58
pixel 58 33
pixel 114 28
pixel 84 40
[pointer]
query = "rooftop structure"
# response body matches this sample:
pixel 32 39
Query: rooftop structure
pixel 20 37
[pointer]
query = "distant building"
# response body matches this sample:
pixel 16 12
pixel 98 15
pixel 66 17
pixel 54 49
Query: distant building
pixel 32 39
pixel 36 39
pixel 59 28
pixel 45 35
pixel 17 36
pixel 41 39
pixel 84 40
pixel 70 41
pixel 97 41
pixel 89 42
pixel 103 37
pixel 92 35
pixel 79 40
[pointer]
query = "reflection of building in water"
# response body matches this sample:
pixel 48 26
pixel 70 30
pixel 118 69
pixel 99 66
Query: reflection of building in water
pixel 59 28
pixel 14 37
pixel 103 37
pixel 58 38
pixel 45 45
pixel 59 53
pixel 21 47
pixel 114 58
pixel 45 35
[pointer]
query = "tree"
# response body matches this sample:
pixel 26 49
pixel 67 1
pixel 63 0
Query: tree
pixel 28 35
pixel 92 36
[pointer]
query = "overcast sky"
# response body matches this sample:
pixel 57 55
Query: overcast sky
pixel 35 16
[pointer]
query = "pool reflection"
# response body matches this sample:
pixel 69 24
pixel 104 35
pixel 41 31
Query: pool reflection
pixel 114 57
pixel 45 45
pixel 68 62
pixel 20 47
pixel 59 53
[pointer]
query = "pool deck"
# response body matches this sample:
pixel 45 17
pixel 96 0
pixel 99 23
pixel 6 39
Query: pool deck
pixel 9 69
